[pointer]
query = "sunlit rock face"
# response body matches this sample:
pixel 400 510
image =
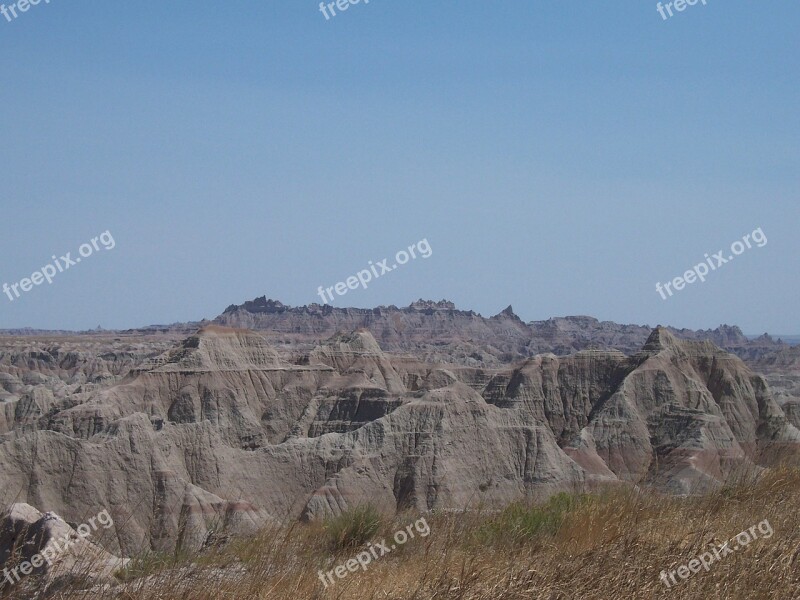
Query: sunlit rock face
pixel 224 430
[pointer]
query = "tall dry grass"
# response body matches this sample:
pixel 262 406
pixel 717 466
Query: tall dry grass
pixel 606 546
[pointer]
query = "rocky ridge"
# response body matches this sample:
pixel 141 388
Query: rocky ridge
pixel 224 431
pixel 438 331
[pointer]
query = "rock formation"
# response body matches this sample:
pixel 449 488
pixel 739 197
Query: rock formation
pixel 225 431
pixel 44 545
pixel 438 332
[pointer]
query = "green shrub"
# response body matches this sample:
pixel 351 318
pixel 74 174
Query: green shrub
pixel 354 527
pixel 520 521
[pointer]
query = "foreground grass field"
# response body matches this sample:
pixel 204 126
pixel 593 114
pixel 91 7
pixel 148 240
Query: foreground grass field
pixel 609 545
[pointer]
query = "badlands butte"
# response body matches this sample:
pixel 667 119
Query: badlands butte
pixel 269 414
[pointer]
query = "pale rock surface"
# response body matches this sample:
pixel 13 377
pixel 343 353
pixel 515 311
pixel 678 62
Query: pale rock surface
pixel 224 432
pixel 25 533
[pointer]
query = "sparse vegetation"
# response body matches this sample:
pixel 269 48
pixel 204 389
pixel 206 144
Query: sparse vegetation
pixel 522 523
pixel 353 528
pixel 609 545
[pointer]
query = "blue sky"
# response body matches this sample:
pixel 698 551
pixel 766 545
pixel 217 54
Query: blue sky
pixel 559 157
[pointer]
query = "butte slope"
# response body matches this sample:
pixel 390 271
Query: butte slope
pixel 221 433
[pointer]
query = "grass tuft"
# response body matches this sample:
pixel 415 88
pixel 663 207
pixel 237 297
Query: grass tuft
pixel 353 528
pixel 521 522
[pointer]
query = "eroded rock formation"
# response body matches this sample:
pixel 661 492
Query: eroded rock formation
pixel 224 432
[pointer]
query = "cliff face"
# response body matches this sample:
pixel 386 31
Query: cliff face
pixel 224 430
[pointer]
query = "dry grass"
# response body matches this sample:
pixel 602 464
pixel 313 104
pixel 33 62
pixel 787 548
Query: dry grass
pixel 612 545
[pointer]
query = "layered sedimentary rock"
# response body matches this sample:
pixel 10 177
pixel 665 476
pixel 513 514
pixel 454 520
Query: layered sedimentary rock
pixel 439 332
pixel 224 432
pixel 782 370
pixel 32 543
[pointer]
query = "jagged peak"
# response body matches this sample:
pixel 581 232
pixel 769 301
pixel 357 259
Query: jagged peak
pixel 508 311
pixel 734 329
pixel 432 304
pixel 660 339
pixel 260 304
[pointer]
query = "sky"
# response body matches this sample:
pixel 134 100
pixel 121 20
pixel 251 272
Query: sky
pixel 560 157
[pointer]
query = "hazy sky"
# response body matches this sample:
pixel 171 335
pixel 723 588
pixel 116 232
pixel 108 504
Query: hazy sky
pixel 562 157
